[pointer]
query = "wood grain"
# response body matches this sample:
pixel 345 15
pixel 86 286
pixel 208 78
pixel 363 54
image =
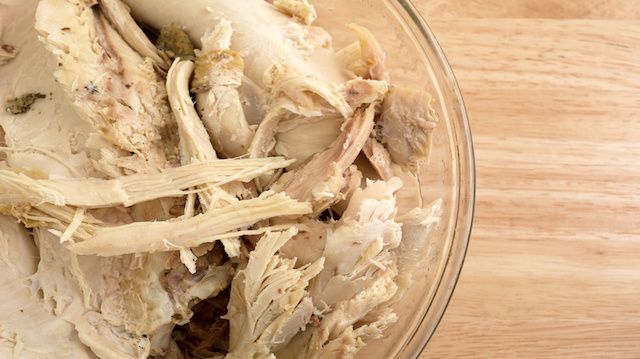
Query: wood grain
pixel 545 9
pixel 553 92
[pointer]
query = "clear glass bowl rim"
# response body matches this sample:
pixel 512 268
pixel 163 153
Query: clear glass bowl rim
pixel 466 197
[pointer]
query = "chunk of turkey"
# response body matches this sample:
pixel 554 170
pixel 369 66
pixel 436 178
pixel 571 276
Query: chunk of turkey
pixel 406 125
pixel 263 35
pixel 268 305
pixel 322 178
pixel 218 74
pixel 111 85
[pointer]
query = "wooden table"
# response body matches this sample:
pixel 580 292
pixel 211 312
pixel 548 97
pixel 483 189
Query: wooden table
pixel 553 91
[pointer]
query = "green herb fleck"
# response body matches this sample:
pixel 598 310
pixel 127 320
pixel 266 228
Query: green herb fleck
pixel 22 104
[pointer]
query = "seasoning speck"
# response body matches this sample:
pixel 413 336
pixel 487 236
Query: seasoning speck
pixel 174 42
pixel 91 88
pixel 22 104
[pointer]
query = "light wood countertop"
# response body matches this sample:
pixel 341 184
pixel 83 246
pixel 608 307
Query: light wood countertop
pixel 552 88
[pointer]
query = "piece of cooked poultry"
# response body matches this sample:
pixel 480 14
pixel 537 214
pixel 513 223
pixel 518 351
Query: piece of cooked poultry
pixel 294 98
pixel 406 125
pixel 112 86
pixel 119 93
pixel 321 179
pixel 218 74
pixel 364 58
pixel 301 138
pixel 416 226
pixel 379 158
pixel 358 276
pixel 19 189
pixel 120 18
pixel 268 305
pixel 266 38
pixel 301 10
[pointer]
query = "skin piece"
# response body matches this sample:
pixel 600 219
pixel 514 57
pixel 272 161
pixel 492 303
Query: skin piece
pixel 301 138
pixel 86 285
pixel 57 338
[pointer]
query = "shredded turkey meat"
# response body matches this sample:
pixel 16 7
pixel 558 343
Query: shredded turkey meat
pixel 193 180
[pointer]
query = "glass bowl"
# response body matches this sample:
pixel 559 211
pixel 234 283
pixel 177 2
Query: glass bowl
pixel 416 60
